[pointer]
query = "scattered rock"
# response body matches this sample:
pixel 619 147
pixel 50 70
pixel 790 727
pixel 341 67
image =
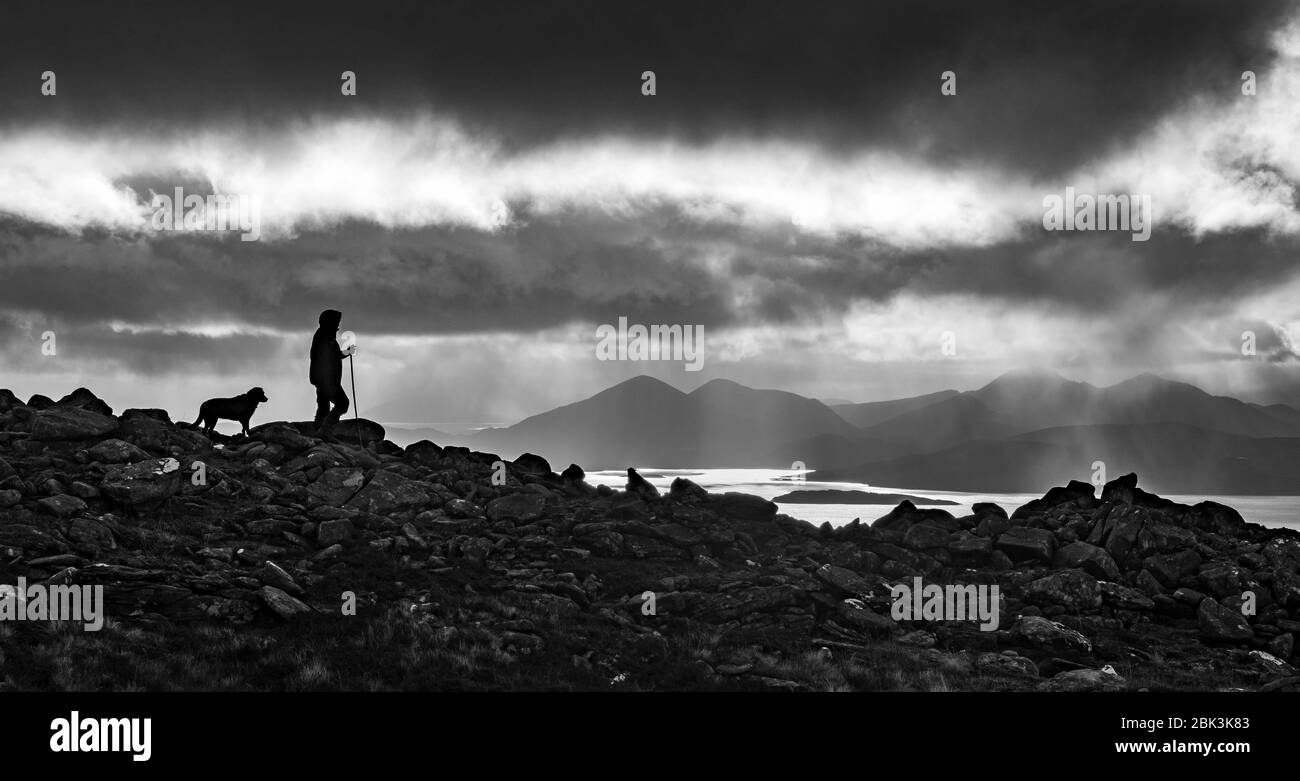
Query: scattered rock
pixel 1072 588
pixel 61 423
pixel 1103 680
pixel 639 486
pixel 522 507
pixel 62 505
pixel 116 451
pixel 1024 544
pixel 349 429
pixel 334 532
pixel 1219 624
pixel 1091 559
pixel 1043 633
pixel 1006 664
pixel 282 604
pixel 144 482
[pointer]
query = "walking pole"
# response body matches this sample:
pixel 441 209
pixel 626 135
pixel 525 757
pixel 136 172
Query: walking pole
pixel 352 370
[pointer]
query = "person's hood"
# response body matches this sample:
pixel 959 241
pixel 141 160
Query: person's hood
pixel 330 319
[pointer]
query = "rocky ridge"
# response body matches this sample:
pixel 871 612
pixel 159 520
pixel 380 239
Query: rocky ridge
pixel 1119 591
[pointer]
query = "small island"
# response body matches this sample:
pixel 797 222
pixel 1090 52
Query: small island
pixel 836 496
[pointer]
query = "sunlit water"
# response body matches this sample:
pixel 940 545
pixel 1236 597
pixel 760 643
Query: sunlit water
pixel 771 483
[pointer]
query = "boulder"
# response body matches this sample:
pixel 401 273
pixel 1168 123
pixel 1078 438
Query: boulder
pixel 1171 568
pixel 1103 680
pixel 921 536
pixel 1006 664
pixel 82 398
pixel 683 489
pixel 63 423
pixel 116 451
pixel 523 507
pixel 1189 596
pixel 1286 587
pixel 1122 597
pixel 1159 537
pixel 271 574
pixel 907 514
pixel 984 510
pixel 992 525
pixel 463 508
pixel 1072 588
pixel 845 582
pixel 967 546
pixel 281 603
pixel 1282 646
pixel 61 505
pixel 639 486
pixel 425 453
pixel 152 430
pixel 282 434
pixel 1122 526
pixel 1219 624
pixel 532 464
pixel 337 485
pixel 334 532
pixel 349 429
pixel 144 482
pixel 9 477
pixel 1270 665
pixel 40 402
pixel 1148 583
pixel 1091 559
pixel 1043 633
pixel 1215 517
pixel 1123 490
pixel 1022 544
pixel 388 492
pixel 855 614
pixel 1076 494
pixel 1222 579
pixel 745 508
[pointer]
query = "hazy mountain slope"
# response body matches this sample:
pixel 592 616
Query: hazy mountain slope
pixel 942 424
pixel 1019 432
pixel 646 422
pixel 1036 400
pixel 1175 457
pixel 872 412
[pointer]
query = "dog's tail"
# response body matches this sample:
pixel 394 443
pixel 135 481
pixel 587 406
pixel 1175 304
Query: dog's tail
pixel 198 420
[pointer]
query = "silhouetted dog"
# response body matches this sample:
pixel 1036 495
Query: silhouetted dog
pixel 240 408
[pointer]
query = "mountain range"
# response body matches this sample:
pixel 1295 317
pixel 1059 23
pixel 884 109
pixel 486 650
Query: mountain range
pixel 1022 431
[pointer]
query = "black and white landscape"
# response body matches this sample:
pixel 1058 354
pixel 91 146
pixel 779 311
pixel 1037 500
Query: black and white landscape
pixel 603 263
pixel 1018 433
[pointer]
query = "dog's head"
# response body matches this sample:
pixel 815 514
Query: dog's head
pixel 257 394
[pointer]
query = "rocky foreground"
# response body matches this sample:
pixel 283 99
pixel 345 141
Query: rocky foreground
pixel 229 563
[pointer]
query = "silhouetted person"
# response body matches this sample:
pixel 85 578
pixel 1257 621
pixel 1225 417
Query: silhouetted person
pixel 327 371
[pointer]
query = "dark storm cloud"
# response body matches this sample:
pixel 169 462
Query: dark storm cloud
pixel 550 271
pixel 426 281
pixel 1041 86
pixel 147 353
pixel 1099 272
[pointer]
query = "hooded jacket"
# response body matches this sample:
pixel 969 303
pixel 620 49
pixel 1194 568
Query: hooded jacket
pixel 326 357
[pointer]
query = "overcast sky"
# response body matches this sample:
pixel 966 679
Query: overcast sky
pixel 499 186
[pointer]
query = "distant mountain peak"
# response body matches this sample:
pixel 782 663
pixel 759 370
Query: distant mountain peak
pixel 1029 378
pixel 721 383
pixel 642 381
pixel 1146 378
pixel 1030 373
